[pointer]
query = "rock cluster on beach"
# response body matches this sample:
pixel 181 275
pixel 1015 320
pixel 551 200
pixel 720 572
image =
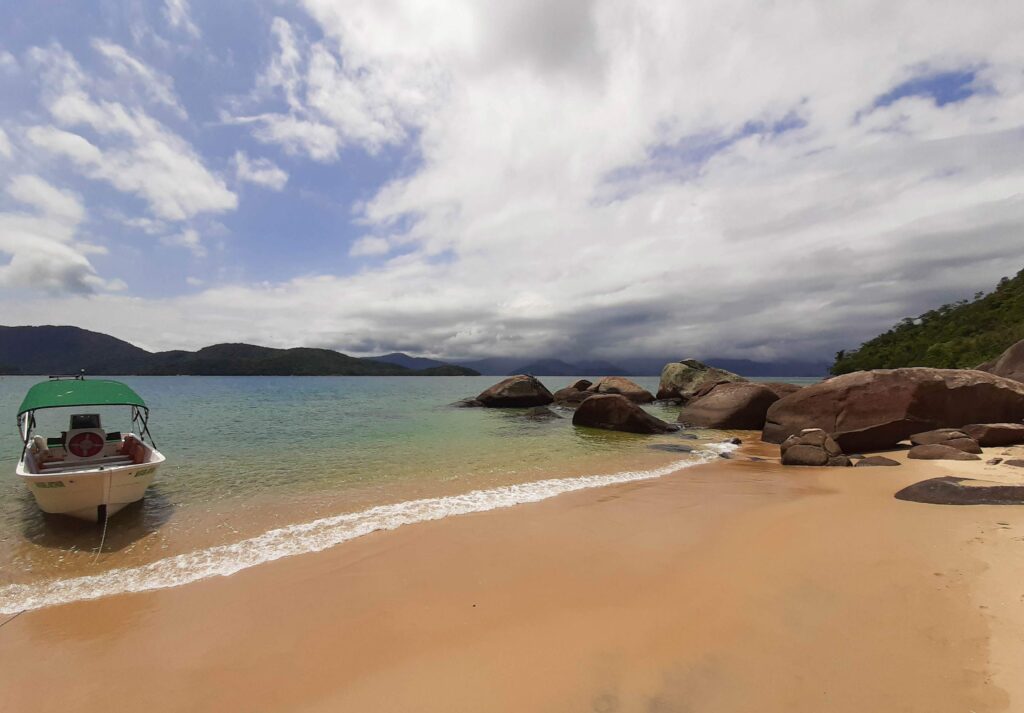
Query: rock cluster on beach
pixel 875 410
pixel 947 414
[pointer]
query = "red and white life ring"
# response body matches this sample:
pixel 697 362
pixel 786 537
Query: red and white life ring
pixel 85 445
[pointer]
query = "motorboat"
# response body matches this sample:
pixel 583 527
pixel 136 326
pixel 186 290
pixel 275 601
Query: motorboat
pixel 86 472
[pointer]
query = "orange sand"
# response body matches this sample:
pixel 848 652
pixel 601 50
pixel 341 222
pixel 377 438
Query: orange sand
pixel 737 586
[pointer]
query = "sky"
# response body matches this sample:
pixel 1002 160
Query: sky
pixel 586 178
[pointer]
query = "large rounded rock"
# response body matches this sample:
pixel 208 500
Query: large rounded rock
pixel 1009 364
pixel 962 491
pixel 683 379
pixel 996 434
pixel 614 412
pixel 516 392
pixel 621 385
pixel 939 451
pixel 939 435
pixel 875 462
pixel 805 455
pixel 574 394
pixel 741 405
pixel 875 410
pixel 967 445
pixel 781 388
pixel 812 447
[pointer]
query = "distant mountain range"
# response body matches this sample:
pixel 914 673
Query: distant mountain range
pixel 67 350
pixel 637 366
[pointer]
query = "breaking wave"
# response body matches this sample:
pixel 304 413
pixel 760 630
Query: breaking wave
pixel 313 536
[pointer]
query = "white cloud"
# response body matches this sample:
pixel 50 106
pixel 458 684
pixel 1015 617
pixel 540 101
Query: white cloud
pixel 334 102
pixel 8 62
pixel 40 244
pixel 370 245
pixel 178 16
pixel 75 147
pixel 53 202
pixel 136 153
pixel 157 86
pixel 319 141
pixel 602 177
pixel 261 171
pixel 189 239
pixel 605 176
pixel 5 145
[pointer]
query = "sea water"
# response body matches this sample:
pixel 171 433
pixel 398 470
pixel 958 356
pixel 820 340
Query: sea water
pixel 260 468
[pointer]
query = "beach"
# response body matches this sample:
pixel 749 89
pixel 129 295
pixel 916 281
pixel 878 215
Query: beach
pixel 732 586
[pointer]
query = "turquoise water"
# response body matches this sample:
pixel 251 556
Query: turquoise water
pixel 250 455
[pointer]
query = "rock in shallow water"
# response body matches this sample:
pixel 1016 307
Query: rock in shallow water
pixel 621 385
pixel 516 392
pixel 540 413
pixel 671 448
pixel 573 395
pixel 685 378
pixel 614 412
pixel 741 405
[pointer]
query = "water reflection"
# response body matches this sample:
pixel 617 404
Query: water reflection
pixel 128 526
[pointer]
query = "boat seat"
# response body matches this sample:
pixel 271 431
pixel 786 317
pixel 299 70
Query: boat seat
pixel 60 465
pixel 80 467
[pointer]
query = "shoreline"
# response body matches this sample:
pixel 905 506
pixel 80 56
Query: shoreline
pixel 717 587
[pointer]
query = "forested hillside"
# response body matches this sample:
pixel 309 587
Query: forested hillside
pixel 68 350
pixel 963 334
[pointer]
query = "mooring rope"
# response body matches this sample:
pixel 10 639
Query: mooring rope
pixel 106 520
pixel 103 537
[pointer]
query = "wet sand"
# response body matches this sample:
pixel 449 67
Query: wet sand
pixel 735 586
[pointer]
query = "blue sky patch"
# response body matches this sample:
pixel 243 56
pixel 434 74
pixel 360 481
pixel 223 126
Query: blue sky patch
pixel 942 87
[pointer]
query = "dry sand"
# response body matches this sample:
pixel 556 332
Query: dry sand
pixel 736 586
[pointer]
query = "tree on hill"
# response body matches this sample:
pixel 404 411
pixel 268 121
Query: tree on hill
pixel 962 334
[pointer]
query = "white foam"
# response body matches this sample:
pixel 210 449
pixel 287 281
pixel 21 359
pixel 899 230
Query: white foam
pixel 314 536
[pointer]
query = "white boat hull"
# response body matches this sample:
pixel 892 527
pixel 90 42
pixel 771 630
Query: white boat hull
pixel 81 493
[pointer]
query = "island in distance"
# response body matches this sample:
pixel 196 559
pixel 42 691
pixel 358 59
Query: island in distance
pixel 67 350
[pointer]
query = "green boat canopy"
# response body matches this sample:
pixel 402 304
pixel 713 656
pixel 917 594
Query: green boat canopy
pixel 58 393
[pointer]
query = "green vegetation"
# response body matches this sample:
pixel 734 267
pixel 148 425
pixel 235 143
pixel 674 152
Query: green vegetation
pixel 955 336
